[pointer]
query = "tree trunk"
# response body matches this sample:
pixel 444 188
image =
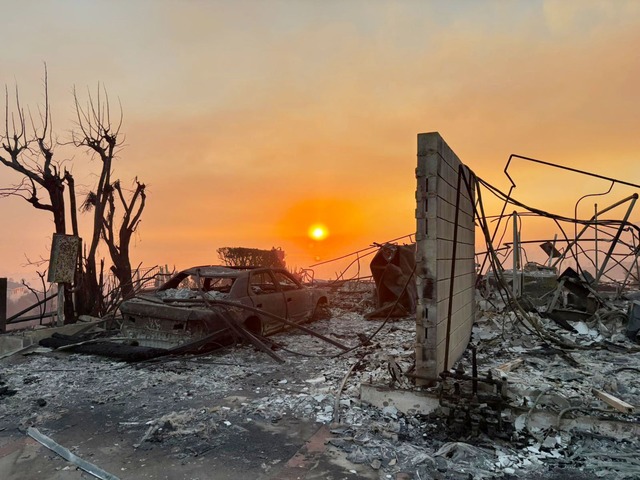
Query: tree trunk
pixel 89 298
pixel 122 271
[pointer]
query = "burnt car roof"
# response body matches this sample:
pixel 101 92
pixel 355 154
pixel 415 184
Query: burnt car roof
pixel 217 270
pixel 224 271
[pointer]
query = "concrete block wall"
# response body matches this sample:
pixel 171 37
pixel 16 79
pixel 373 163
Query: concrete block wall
pixel 445 302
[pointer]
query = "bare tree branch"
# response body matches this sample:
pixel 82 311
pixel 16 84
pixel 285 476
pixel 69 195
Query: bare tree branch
pixel 30 153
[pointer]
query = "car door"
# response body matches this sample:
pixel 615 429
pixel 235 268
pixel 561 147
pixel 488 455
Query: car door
pixel 297 297
pixel 266 295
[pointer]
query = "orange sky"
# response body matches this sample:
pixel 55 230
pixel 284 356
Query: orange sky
pixel 250 121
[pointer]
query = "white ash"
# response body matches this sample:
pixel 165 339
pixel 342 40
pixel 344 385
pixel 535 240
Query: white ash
pixel 254 387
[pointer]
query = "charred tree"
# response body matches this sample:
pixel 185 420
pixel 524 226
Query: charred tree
pixel 119 246
pixel 43 182
pixel 96 134
pixel 32 156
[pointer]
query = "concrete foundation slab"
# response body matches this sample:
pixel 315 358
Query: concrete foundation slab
pixel 10 342
pixel 406 401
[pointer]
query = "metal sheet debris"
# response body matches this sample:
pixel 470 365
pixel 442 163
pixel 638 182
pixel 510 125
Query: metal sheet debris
pixel 392 267
pixel 68 456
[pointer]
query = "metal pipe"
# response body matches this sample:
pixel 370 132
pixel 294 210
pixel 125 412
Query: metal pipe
pixel 60 321
pixel 595 217
pixel 373 247
pixel 3 305
pixel 35 317
pixel 615 240
pixel 584 229
pixel 474 369
pixel 635 261
pixel 551 240
pixel 495 231
pixel 618 203
pixel 575 225
pixel 562 167
pixel 637 253
pixel 553 247
pixel 40 302
pixel 516 257
pixel 230 303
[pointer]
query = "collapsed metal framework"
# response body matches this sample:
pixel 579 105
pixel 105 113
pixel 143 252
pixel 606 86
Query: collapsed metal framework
pixel 449 194
pixel 449 207
pixel 621 236
pixel 347 272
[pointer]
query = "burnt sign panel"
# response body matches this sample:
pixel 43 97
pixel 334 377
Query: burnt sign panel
pixel 64 257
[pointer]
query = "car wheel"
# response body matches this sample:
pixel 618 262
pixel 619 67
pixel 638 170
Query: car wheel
pixel 254 325
pixel 321 312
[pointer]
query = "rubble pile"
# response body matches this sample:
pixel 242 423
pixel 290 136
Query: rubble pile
pixel 187 293
pixel 553 421
pixel 353 295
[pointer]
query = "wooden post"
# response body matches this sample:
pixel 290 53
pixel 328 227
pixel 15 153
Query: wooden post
pixel 60 321
pixel 612 401
pixel 3 305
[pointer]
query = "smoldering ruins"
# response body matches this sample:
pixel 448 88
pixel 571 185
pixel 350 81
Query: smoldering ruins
pixel 449 361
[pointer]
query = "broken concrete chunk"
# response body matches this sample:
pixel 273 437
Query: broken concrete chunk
pixel 390 410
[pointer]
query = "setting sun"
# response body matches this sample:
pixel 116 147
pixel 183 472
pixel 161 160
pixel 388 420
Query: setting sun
pixel 318 232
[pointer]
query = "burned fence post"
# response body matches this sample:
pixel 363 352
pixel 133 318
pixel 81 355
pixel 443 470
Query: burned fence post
pixel 445 235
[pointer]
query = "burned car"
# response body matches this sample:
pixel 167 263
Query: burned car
pixel 201 301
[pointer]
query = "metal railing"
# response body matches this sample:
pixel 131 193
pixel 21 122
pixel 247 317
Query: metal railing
pixel 18 318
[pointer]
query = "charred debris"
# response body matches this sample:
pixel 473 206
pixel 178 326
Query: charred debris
pixel 546 388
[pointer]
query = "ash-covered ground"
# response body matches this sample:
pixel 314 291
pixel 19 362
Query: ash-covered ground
pixel 236 413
